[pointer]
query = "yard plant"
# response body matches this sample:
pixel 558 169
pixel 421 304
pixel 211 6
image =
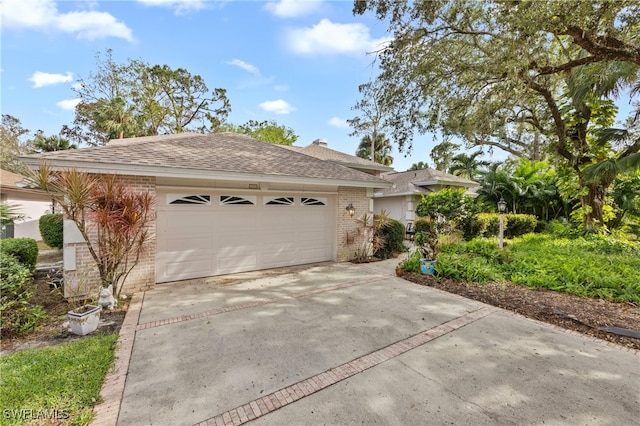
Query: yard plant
pixel 593 266
pixel 111 217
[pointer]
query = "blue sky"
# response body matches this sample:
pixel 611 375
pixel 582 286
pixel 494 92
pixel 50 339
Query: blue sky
pixel 296 62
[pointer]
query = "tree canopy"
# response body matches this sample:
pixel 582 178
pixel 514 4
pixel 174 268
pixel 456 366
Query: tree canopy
pixel 528 77
pixel 13 143
pixel 268 131
pixel 382 147
pixel 139 99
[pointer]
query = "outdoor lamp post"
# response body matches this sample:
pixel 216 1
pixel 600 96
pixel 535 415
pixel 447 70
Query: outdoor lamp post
pixel 502 207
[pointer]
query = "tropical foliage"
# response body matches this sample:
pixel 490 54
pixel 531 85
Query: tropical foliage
pixel 528 77
pixel 596 266
pixel 112 218
pixel 382 149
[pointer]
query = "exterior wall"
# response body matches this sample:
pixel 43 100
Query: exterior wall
pixel 31 206
pixel 401 207
pixel 392 205
pixel 81 276
pixel 349 236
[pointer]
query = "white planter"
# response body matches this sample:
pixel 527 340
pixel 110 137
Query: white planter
pixel 85 322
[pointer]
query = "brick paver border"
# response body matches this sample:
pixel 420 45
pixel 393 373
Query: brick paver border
pixel 285 396
pixel 240 306
pixel 106 413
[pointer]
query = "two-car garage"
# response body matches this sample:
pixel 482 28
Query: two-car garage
pixel 201 233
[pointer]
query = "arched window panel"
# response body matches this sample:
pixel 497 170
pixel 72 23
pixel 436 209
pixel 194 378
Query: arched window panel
pixel 308 201
pixel 189 199
pixel 238 200
pixel 278 201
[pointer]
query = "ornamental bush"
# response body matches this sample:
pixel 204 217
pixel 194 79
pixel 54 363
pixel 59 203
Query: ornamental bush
pixel 18 314
pixel 393 234
pixel 25 250
pixel 520 224
pixel 51 229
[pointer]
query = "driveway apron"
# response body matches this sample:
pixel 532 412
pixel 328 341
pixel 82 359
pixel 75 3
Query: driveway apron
pixel 347 344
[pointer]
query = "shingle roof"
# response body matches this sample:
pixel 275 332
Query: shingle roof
pixel 8 178
pixel 324 153
pixel 415 182
pixel 215 152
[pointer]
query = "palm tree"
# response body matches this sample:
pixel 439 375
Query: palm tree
pixel 419 165
pixel 467 165
pixel 382 149
pixel 43 143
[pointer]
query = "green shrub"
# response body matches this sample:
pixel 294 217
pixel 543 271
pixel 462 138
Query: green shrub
pixel 561 229
pixel 520 224
pixel 424 225
pixel 471 226
pixel 393 233
pixel 51 229
pixel 25 250
pixel 18 315
pixel 491 223
pixel 412 263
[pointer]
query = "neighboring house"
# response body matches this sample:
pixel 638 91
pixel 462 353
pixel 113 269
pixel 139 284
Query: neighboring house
pixel 31 204
pixel 225 203
pixel 407 188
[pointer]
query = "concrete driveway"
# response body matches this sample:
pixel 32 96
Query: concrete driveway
pixel 353 344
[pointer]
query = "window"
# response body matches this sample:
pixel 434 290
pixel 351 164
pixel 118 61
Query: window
pixel 278 201
pixel 228 200
pixel 306 201
pixel 189 199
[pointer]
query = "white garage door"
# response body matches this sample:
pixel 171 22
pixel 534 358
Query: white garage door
pixel 201 233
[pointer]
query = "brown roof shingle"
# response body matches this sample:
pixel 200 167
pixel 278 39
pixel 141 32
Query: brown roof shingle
pixel 215 152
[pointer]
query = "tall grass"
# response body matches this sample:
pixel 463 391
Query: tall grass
pixel 597 267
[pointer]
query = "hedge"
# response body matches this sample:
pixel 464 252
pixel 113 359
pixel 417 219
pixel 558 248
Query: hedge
pixel 488 225
pixel 51 229
pixel 25 250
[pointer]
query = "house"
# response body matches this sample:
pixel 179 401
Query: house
pixel 30 204
pixel 407 188
pixel 225 203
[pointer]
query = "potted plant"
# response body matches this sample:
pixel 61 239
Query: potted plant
pixel 427 243
pixel 84 319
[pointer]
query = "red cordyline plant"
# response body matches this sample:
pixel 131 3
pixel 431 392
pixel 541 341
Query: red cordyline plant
pixel 111 218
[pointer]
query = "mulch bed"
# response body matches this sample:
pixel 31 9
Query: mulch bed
pixel 580 314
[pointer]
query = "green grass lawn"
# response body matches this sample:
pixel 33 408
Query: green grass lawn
pixel 60 382
pixel 600 267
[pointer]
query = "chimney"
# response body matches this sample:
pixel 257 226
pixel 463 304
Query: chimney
pixel 321 142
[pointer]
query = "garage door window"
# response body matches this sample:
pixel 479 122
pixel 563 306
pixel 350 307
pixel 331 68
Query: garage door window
pixel 233 200
pixel 278 201
pixel 188 199
pixel 306 201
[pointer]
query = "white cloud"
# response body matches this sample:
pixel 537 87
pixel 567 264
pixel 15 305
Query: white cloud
pixel 245 66
pixel 68 104
pixel 43 15
pixel 338 122
pixel 292 8
pixel 41 79
pixel 331 38
pixel 279 107
pixel 180 6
